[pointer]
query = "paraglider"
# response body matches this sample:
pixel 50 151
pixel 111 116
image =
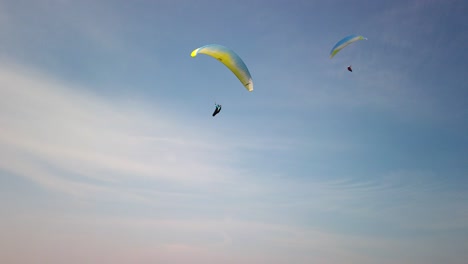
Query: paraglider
pixel 350 69
pixel 230 59
pixel 217 109
pixel 345 42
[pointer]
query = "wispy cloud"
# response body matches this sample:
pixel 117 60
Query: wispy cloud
pixel 112 149
pixel 60 137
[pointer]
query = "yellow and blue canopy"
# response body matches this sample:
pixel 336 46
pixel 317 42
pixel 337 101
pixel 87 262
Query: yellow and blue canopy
pixel 230 59
pixel 345 42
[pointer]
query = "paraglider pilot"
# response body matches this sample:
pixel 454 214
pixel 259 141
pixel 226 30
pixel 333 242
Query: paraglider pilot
pixel 350 69
pixel 217 109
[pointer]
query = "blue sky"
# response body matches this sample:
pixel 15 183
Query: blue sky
pixel 109 152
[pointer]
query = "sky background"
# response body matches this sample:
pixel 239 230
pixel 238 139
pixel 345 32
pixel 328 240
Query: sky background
pixel 109 152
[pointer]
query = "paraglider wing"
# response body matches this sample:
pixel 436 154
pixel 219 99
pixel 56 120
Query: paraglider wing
pixel 230 59
pixel 345 42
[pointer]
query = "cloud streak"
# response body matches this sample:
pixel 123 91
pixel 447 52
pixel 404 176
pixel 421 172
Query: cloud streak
pixel 59 138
